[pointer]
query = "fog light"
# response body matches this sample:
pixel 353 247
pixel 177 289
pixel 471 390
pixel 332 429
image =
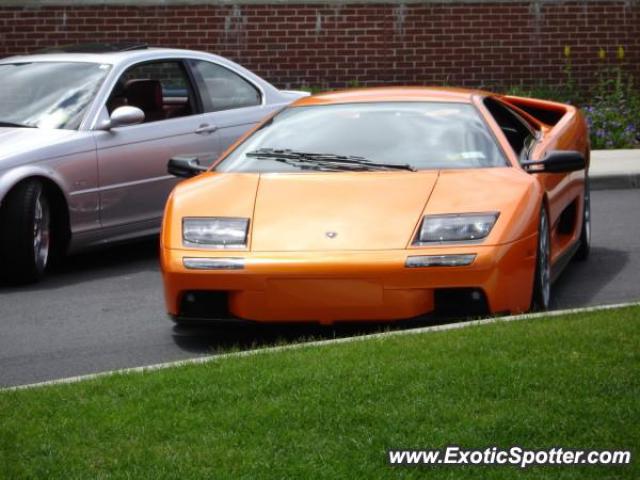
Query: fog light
pixel 440 260
pixel 225 263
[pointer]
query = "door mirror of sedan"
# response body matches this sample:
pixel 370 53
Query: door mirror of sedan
pixel 557 161
pixel 185 167
pixel 124 116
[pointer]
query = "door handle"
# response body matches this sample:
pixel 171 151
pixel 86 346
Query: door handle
pixel 206 128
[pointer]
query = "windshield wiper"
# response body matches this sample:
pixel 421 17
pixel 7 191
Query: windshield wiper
pixel 17 125
pixel 326 160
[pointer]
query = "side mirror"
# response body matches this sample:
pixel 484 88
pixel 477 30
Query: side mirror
pixel 557 161
pixel 124 116
pixel 185 167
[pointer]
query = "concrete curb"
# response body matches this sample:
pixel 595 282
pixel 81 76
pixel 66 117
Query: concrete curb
pixel 319 343
pixel 615 169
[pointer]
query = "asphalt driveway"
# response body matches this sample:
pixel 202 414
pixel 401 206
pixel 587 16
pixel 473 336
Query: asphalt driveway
pixel 104 310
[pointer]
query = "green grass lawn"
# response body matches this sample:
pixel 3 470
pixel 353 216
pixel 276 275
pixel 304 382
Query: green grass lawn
pixel 334 411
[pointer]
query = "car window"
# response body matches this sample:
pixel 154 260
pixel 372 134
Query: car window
pixel 49 94
pixel 424 135
pixel 223 89
pixel 519 134
pixel 160 89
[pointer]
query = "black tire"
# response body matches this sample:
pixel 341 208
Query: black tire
pixel 541 297
pixel 585 234
pixel 25 233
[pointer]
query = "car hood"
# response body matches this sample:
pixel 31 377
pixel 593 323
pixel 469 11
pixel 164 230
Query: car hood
pixel 328 211
pixel 23 145
pixel 353 210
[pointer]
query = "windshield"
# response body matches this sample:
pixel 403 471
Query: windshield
pixel 48 94
pixel 419 135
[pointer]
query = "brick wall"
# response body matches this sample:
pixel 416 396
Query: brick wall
pixel 489 44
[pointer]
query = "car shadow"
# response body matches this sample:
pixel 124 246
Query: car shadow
pixel 220 337
pixel 99 263
pixel 581 282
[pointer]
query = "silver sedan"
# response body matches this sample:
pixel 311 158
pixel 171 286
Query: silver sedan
pixel 85 139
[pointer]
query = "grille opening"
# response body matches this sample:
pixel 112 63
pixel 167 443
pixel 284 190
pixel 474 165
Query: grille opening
pixel 205 305
pixel 449 302
pixel 460 302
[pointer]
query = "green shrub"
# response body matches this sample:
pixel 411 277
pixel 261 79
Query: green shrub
pixel 611 107
pixel 613 113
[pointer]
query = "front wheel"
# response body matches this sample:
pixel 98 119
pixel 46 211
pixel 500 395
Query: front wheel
pixel 25 233
pixel 542 280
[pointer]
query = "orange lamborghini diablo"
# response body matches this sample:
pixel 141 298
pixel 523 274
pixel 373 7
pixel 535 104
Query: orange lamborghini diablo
pixel 381 204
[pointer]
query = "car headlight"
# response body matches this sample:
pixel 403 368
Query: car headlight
pixel 462 227
pixel 215 232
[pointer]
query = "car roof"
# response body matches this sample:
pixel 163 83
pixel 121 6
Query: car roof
pixel 110 57
pixel 392 94
pixel 95 47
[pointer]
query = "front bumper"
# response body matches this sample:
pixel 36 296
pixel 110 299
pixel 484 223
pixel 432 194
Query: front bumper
pixel 350 285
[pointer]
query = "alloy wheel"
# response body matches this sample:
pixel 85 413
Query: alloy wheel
pixel 544 263
pixel 41 232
